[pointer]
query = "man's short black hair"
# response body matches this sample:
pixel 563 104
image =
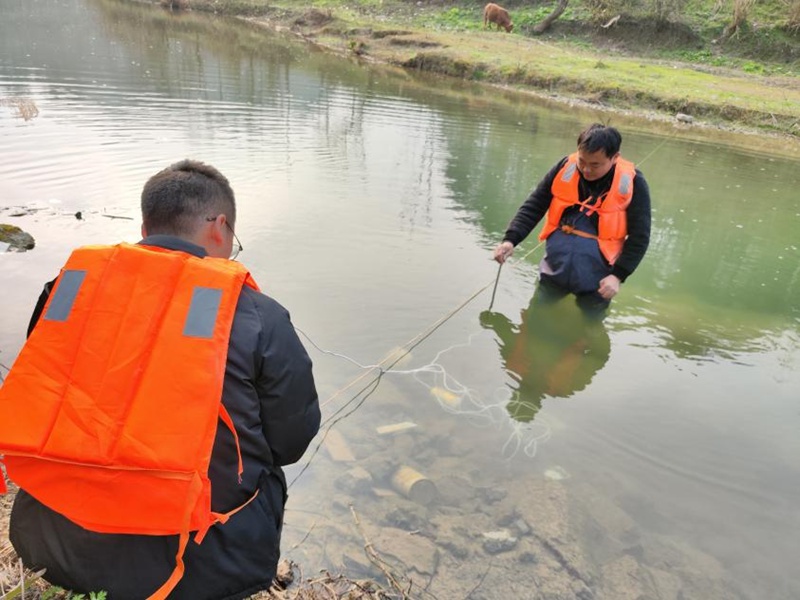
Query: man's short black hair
pixel 600 137
pixel 178 199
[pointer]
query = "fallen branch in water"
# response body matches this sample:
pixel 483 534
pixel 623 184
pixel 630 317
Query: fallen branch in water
pixel 305 537
pixel 480 582
pixel 384 566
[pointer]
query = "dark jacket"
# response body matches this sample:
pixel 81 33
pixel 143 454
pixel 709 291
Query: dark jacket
pixel 638 214
pixel 270 395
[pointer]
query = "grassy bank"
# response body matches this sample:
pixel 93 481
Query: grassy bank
pixel 654 68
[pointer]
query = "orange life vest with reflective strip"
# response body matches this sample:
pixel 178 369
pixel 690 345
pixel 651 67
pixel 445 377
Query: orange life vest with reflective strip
pixel 109 413
pixel 613 223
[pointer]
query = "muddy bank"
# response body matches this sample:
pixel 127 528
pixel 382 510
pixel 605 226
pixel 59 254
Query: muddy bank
pixel 599 80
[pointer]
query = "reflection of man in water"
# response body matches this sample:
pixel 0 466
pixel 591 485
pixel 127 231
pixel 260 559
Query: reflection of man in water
pixel 555 351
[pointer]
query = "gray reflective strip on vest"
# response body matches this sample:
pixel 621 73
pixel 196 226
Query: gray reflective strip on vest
pixel 569 172
pixel 203 312
pixel 64 296
pixel 625 182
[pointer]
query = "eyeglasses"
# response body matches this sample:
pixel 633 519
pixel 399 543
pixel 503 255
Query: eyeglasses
pixel 237 247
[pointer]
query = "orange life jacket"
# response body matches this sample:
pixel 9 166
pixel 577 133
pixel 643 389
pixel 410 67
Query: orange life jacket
pixel 110 411
pixel 613 223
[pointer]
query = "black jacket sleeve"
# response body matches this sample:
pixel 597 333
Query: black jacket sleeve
pixel 37 312
pixel 638 215
pixel 289 403
pixel 534 207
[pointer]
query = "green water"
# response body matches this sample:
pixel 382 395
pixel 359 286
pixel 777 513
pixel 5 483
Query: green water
pixel 655 454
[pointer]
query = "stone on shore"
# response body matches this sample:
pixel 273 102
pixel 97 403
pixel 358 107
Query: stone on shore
pixel 13 239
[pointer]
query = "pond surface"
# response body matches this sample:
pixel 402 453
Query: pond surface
pixel 653 456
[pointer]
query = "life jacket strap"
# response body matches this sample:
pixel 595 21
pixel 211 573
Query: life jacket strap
pixel 164 591
pixel 589 206
pixel 177 573
pixel 572 231
pixel 226 418
pixel 221 518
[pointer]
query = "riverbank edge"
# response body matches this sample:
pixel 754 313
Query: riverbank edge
pixel 371 37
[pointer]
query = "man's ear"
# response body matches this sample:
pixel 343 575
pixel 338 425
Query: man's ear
pixel 144 231
pixel 218 229
pixel 214 238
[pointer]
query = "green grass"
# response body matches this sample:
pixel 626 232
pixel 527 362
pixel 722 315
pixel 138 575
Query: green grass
pixel 462 18
pixel 457 19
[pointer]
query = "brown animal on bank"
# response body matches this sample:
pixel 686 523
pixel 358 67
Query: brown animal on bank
pixel 498 15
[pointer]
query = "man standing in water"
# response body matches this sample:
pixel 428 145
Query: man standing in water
pixel 150 413
pixel 597 222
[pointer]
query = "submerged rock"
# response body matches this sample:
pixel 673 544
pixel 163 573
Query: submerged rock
pixel 495 542
pixel 16 239
pixel 413 552
pixel 356 481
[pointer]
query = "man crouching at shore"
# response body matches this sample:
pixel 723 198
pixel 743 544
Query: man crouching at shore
pixel 147 418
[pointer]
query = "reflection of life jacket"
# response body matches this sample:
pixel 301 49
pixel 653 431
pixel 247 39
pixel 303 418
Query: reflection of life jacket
pixel 109 413
pixel 611 207
pixel 558 364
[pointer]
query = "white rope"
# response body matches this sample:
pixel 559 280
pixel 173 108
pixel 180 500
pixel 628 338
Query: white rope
pixel 494 413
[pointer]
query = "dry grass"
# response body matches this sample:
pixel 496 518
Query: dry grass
pixel 19 583
pixel 793 14
pixel 15 580
pixel 23 108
